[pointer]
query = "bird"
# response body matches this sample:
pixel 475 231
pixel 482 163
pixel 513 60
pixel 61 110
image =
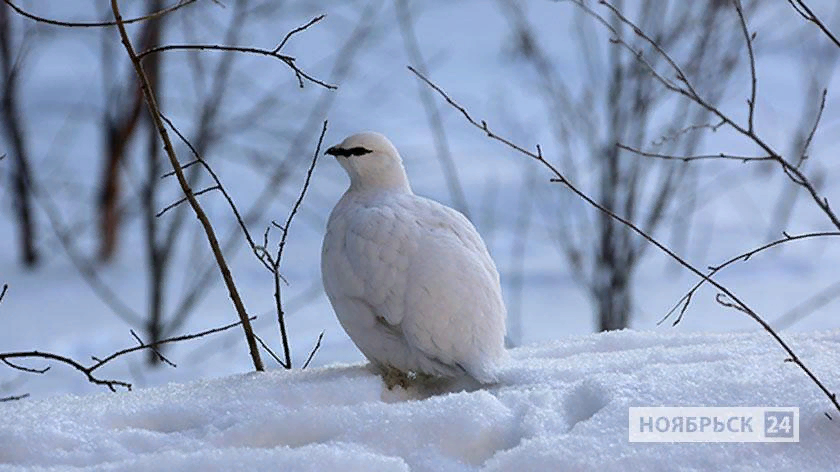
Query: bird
pixel 410 280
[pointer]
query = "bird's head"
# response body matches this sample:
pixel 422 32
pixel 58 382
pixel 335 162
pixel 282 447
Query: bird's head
pixel 371 161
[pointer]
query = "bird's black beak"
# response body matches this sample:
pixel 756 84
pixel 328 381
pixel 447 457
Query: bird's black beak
pixel 333 151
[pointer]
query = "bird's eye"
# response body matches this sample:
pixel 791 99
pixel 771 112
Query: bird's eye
pixel 358 151
pixel 347 152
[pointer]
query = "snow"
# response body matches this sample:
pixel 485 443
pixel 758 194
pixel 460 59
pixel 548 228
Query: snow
pixel 562 402
pixel 558 406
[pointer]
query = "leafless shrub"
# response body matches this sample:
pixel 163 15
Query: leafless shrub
pixel 89 371
pixel 616 101
pixel 161 237
pixel 725 297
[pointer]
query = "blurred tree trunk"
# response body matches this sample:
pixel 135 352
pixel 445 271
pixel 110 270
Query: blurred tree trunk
pixel 13 129
pixel 156 254
pixel 618 102
pixel 120 126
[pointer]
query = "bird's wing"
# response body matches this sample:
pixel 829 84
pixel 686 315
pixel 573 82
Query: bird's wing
pixel 422 268
pixel 457 311
pixel 372 260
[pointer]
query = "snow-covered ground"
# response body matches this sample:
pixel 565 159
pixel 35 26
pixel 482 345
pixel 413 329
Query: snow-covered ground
pixel 559 406
pixel 562 403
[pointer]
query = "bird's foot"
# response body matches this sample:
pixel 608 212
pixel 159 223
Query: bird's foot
pixel 393 377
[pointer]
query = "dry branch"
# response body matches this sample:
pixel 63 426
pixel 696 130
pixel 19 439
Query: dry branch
pixel 14 398
pixel 275 53
pixel 313 351
pixel 683 302
pixel 695 157
pixel 726 297
pixel 273 262
pixel 687 90
pixel 97 24
pixel 805 12
pixel 182 181
pixel 343 65
pixel 89 370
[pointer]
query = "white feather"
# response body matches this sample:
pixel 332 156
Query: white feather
pixel 410 280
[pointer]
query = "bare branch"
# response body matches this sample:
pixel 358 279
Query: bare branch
pixel 88 371
pixel 687 129
pixel 688 91
pixel 804 156
pixel 748 39
pixel 183 166
pixel 153 349
pixel 22 368
pixel 726 295
pixel 285 227
pixel 3 292
pixel 297 30
pixel 289 60
pixel 215 177
pixel 281 316
pixel 694 158
pixel 343 66
pixel 14 398
pixel 269 351
pixel 184 199
pixel 199 212
pixel 313 351
pixel 97 24
pixel 805 12
pixel 683 302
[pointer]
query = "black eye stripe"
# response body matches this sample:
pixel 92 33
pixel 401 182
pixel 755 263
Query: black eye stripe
pixel 355 151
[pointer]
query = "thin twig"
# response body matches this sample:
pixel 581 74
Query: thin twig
pixel 285 228
pixel 14 398
pixel 154 111
pixel 3 292
pixel 89 370
pixel 693 158
pixel 689 92
pixel 281 316
pixel 183 166
pixel 22 368
pixel 732 299
pixel 297 30
pixel 268 350
pixel 97 24
pixel 313 351
pixel 342 67
pixel 683 302
pixel 153 349
pixel 184 199
pixel 215 177
pixel 804 156
pixel 289 60
pixel 754 82
pixel 805 12
pixel 688 129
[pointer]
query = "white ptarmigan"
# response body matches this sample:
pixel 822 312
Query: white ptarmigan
pixel 410 280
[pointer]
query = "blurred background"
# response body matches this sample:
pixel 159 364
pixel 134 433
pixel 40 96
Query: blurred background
pixel 87 259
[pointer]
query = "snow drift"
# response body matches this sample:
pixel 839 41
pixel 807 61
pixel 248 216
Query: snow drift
pixel 558 406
